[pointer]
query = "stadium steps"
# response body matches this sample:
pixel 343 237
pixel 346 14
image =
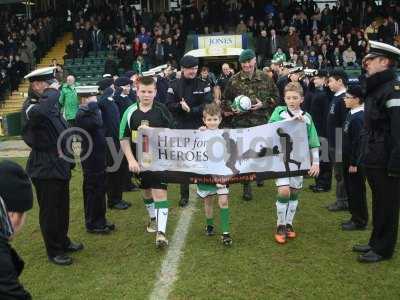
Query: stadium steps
pixel 14 102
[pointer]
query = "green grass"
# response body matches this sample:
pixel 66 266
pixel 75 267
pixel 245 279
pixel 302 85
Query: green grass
pixel 318 264
pixel 9 138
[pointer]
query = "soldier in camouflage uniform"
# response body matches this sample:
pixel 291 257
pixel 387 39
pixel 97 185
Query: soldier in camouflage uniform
pixel 260 89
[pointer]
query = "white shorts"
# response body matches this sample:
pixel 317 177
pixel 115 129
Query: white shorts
pixel 293 182
pixel 212 190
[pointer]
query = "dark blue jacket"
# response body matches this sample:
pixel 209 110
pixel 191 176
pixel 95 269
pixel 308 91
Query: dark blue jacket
pixel 336 116
pixel 93 144
pixel 110 114
pixel 351 147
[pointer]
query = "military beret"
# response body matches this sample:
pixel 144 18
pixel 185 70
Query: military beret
pixel 246 55
pixel 105 83
pixel 41 74
pixel 129 74
pixel 189 61
pixel 122 81
pixel 15 187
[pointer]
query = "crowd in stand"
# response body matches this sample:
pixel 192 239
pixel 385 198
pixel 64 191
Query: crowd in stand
pixel 299 33
pixel 22 43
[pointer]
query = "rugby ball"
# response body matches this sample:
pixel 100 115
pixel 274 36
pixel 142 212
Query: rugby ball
pixel 241 103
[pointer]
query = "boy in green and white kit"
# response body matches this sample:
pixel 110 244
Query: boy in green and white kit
pixel 288 188
pixel 212 118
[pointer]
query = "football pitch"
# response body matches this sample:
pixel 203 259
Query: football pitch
pixel 318 264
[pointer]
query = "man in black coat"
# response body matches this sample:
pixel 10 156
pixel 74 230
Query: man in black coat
pixel 318 109
pixel 16 198
pixel 382 150
pixel 187 97
pixel 262 48
pixel 49 163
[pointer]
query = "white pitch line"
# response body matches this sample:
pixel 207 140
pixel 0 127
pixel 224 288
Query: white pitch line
pixel 169 268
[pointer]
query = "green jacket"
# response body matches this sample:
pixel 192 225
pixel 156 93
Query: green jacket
pixel 139 68
pixel 260 86
pixel 69 102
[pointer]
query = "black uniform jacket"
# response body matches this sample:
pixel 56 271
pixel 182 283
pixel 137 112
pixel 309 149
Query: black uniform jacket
pixel 382 122
pixel 11 266
pixel 43 124
pixel 196 94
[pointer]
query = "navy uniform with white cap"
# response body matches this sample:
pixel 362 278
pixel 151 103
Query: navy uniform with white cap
pixel 111 119
pixel 186 99
pixel 43 124
pixel 93 162
pixel 381 149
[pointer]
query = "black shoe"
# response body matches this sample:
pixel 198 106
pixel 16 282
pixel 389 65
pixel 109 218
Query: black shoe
pixel 226 239
pixel 183 202
pixel 120 206
pixel 312 186
pixel 334 207
pixel 362 248
pixel 127 203
pixel 104 230
pixel 210 230
pixel 351 226
pixel 260 183
pixel 110 226
pixel 247 194
pixel 320 189
pixel 74 247
pixel 370 257
pixel 61 260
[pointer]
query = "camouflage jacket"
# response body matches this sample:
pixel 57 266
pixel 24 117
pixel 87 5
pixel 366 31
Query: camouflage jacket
pixel 259 86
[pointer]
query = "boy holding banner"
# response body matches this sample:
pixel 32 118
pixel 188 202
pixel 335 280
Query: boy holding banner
pixel 288 188
pixel 148 113
pixel 212 119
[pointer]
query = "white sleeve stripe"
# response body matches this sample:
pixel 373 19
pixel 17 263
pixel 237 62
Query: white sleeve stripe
pixel 392 103
pixel 28 109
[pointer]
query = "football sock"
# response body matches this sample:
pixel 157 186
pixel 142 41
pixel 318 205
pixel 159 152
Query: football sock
pixel 149 203
pixel 291 211
pixel 224 215
pixel 161 214
pixel 210 221
pixel 281 208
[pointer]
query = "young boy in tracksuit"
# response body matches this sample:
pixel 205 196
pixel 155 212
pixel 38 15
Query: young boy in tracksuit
pixel 354 178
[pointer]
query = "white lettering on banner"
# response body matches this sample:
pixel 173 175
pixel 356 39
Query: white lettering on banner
pixel 226 152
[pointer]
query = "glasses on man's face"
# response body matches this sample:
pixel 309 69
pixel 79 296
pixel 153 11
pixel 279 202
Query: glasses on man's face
pixel 349 97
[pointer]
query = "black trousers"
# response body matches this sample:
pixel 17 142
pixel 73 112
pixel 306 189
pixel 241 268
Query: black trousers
pixel 53 199
pixel 114 182
pixel 94 199
pixel 356 192
pixel 324 179
pixel 385 211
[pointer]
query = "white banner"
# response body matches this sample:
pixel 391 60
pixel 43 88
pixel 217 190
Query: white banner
pixel 272 150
